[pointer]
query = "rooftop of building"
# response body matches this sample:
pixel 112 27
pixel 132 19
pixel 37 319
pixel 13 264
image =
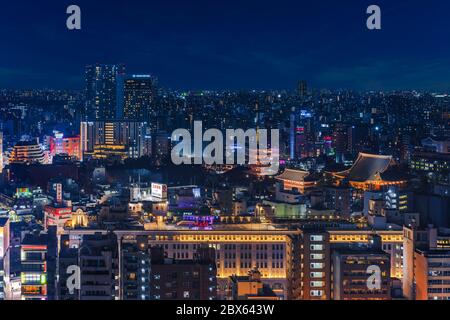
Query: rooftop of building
pixel 434 253
pixel 361 251
pixel 273 200
pixel 265 291
pixel 366 167
pixel 220 227
pixel 32 239
pixel 430 155
pixel 297 175
pixel 335 227
pixel 27 143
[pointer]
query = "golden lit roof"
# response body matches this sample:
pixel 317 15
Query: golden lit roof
pixel 367 167
pixel 293 175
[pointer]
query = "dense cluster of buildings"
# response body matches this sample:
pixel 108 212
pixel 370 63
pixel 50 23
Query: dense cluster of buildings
pixel 92 208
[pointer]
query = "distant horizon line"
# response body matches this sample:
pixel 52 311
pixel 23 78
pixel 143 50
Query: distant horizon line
pixel 429 91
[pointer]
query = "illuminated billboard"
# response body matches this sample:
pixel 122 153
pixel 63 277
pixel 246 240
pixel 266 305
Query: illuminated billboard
pixel 159 190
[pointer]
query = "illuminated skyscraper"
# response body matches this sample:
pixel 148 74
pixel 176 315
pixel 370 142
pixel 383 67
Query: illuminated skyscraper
pixel 357 138
pixel 315 275
pixel 432 274
pixel 161 148
pixel 340 141
pixel 135 269
pixel 113 137
pixel 135 95
pixel 302 89
pixel 101 91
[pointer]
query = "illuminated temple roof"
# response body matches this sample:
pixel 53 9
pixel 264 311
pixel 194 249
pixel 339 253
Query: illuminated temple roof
pixel 367 167
pixel 295 175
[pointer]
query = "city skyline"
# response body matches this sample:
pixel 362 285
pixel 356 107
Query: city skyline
pixel 97 207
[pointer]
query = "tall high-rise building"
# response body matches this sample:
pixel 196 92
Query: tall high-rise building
pixel 357 138
pixel 426 256
pixel 97 257
pixel 127 137
pixel 135 94
pixel 302 88
pixel 184 279
pixel 351 268
pixel 161 148
pixel 34 282
pixel 340 141
pixel 432 274
pixel 12 260
pixel 3 235
pixel 101 91
pixel 134 268
pixel 315 275
pixel 38 266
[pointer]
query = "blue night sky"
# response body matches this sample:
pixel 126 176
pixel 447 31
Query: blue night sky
pixel 234 44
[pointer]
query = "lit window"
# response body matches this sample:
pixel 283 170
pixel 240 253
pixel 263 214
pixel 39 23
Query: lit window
pixel 316 238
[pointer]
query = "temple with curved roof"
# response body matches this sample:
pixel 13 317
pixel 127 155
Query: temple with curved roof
pixel 297 179
pixel 371 172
